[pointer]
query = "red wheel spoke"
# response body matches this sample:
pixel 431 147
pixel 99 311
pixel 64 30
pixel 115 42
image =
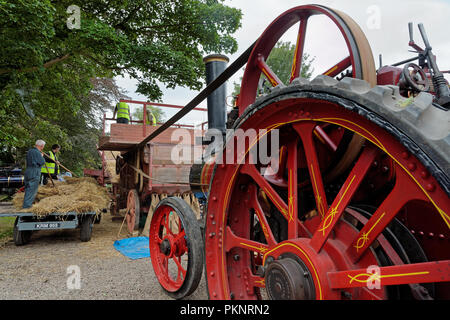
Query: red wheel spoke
pixel 387 247
pixel 323 136
pixel 305 130
pixel 270 75
pixel 234 241
pixel 339 67
pixel 179 236
pixel 181 270
pixel 299 47
pixel 402 193
pixel 292 190
pixel 343 198
pixel 167 223
pixel 282 161
pixel 251 170
pixel 436 271
pixel 158 239
pixel 165 264
pixel 262 218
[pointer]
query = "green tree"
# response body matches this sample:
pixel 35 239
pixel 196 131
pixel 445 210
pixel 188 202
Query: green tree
pixel 280 61
pixel 157 113
pixel 48 70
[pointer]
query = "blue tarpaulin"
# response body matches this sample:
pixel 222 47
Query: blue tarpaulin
pixel 133 248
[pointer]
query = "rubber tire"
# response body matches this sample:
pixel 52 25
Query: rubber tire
pixel 20 237
pixel 86 226
pixel 195 244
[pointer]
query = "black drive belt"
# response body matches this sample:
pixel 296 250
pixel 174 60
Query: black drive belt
pixel 224 76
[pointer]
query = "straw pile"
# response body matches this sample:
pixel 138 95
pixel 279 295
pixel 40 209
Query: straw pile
pixel 79 195
pixel 110 157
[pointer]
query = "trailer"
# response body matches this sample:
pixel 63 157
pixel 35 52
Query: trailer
pixel 26 223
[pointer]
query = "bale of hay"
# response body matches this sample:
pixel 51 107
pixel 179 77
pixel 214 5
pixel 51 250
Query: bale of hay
pixel 110 167
pixel 79 195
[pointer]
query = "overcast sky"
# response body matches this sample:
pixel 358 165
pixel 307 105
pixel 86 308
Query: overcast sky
pixel 384 22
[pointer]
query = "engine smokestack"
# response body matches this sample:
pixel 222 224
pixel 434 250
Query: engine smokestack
pixel 217 111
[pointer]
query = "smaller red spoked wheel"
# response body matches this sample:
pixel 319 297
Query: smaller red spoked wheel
pixel 176 247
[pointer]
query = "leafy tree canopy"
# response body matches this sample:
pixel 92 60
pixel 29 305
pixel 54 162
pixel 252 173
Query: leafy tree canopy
pixel 53 78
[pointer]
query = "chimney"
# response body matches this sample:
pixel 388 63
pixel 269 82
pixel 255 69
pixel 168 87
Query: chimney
pixel 217 111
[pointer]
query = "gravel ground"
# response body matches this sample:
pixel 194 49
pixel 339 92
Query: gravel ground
pixel 39 270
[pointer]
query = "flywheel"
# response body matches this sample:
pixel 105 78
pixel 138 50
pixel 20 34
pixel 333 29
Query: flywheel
pixel 356 61
pixel 300 239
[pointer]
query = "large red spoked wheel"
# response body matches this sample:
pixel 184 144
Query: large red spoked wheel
pixel 359 60
pixel 379 230
pixel 176 247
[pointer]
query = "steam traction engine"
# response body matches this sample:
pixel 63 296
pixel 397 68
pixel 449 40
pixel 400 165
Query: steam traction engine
pixel 358 207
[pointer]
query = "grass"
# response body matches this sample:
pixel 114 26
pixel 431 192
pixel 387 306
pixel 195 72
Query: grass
pixel 6 227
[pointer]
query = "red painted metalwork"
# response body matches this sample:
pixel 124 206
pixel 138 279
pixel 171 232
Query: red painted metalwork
pixel 273 78
pixel 388 75
pixel 168 244
pixel 339 67
pixel 357 45
pixel 299 47
pixel 425 272
pixel 343 198
pixel 305 131
pixel 333 251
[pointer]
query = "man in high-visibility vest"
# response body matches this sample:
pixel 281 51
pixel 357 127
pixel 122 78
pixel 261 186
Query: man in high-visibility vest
pixel 51 166
pixel 123 112
pixel 152 116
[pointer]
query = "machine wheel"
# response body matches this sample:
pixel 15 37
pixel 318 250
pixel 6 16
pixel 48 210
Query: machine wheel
pixel 264 240
pixel 21 237
pixel 133 211
pixel 357 62
pixel 86 226
pixel 176 247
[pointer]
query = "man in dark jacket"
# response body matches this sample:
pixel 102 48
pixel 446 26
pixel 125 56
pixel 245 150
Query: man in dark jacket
pixel 35 161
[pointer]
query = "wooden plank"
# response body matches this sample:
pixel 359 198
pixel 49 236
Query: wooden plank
pixel 171 154
pixel 171 174
pixel 134 133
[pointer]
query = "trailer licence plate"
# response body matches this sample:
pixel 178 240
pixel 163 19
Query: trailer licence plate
pixel 47 225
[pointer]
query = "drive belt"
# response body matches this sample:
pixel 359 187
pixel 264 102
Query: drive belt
pixel 221 79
